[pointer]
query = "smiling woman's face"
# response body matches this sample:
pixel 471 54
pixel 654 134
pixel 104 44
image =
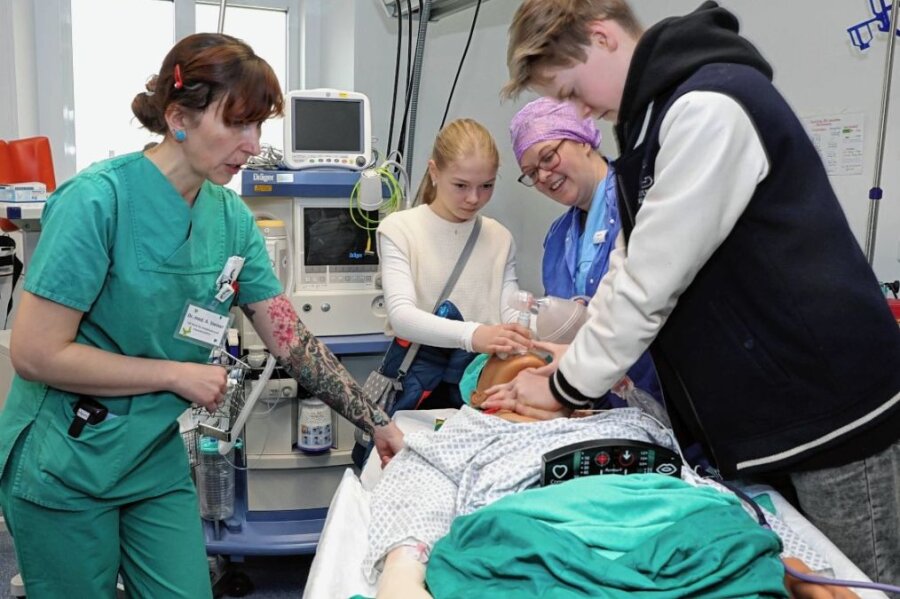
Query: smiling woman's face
pixel 573 177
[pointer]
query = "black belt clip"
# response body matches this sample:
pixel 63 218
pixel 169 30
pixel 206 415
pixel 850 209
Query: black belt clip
pixel 87 411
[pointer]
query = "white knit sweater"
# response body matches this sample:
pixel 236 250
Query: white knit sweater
pixel 418 250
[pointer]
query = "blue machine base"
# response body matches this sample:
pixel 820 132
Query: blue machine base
pixel 246 533
pixel 274 533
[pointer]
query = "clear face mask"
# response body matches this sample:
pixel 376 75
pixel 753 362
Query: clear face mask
pixel 557 320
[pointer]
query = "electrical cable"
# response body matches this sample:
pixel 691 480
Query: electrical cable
pixel 396 75
pixel 361 217
pixel 401 140
pixel 761 519
pixel 461 61
pixel 269 158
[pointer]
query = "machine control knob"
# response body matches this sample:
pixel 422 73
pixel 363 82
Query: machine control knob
pixel 326 307
pixel 360 161
pixel 378 307
pixel 306 307
pixel 287 392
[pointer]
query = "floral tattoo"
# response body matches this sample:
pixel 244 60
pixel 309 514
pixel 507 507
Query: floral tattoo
pixel 313 365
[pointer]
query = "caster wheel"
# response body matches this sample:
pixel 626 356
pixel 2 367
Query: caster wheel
pixel 239 585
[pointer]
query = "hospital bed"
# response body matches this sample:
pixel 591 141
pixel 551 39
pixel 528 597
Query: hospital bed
pixel 336 571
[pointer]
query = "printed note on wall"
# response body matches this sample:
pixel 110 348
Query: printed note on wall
pixel 839 140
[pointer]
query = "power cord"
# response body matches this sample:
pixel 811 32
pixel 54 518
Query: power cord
pixel 398 188
pixel 761 519
pixel 269 158
pixel 461 61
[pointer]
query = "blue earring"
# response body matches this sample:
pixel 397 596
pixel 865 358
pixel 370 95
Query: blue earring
pixel 180 135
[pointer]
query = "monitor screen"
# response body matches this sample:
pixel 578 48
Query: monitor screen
pixel 332 125
pixel 330 238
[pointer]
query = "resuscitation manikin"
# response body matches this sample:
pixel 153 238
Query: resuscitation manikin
pixel 556 320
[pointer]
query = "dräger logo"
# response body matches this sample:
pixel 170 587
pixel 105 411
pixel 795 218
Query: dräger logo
pixel 263 178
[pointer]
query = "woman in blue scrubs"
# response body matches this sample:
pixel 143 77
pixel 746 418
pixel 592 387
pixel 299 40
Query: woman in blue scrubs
pixel 557 152
pixel 130 285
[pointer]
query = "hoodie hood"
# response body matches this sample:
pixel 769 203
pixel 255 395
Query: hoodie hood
pixel 673 49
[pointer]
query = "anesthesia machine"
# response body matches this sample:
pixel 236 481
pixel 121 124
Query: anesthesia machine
pixel 319 222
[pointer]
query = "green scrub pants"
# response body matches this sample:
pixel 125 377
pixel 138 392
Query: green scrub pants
pixel 156 543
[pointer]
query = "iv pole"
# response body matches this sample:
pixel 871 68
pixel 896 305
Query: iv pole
pixel 875 193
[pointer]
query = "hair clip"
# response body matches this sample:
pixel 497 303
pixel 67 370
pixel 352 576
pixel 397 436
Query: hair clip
pixel 179 83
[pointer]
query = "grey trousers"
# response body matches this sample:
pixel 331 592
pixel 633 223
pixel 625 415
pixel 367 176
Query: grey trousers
pixel 857 506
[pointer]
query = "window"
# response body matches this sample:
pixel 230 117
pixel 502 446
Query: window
pixel 113 57
pixel 266 32
pixel 111 61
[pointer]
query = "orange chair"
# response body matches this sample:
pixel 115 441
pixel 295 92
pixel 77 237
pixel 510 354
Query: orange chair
pixel 25 160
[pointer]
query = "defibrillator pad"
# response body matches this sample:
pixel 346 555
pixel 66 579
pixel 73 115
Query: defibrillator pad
pixel 609 456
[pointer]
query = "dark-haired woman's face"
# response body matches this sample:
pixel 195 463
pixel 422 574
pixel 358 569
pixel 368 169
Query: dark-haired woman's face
pixel 570 178
pixel 217 151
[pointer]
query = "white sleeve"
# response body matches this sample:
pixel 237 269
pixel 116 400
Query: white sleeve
pixel 510 287
pixel 710 162
pixel 407 319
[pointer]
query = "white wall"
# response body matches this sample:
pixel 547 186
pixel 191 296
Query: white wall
pixel 353 45
pixel 18 110
pixel 816 68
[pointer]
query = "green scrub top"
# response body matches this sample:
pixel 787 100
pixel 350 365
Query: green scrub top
pixel 120 244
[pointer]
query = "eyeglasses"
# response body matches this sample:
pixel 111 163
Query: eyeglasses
pixel 547 162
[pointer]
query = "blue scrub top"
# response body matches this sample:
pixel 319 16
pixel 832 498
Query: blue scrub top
pixel 584 252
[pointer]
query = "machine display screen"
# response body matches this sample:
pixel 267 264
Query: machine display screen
pixel 333 125
pixel 330 238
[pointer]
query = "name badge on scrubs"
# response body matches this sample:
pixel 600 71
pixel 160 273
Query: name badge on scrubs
pixel 600 236
pixel 202 326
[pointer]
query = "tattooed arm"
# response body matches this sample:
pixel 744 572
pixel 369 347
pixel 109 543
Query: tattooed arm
pixel 313 365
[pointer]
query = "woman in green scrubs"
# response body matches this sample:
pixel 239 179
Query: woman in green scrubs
pixel 121 301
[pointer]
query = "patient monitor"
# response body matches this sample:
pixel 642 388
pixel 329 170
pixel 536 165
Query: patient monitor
pixel 327 128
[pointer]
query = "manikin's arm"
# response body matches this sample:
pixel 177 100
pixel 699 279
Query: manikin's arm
pixel 404 575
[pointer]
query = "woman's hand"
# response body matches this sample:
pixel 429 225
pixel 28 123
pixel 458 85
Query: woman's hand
pixel 388 441
pixel 202 384
pixel 501 338
pixel 528 394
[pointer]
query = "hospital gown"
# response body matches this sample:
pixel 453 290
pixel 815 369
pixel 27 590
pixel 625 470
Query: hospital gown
pixel 476 459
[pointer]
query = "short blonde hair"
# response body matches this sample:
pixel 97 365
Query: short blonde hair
pixel 458 139
pixel 554 33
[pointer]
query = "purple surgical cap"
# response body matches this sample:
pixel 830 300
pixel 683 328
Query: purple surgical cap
pixel 545 119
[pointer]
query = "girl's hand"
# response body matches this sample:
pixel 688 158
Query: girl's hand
pixel 501 338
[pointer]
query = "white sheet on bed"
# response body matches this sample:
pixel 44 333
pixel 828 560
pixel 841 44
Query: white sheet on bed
pixel 336 571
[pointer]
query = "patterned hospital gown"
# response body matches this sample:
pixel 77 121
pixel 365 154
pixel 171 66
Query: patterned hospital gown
pixel 475 459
